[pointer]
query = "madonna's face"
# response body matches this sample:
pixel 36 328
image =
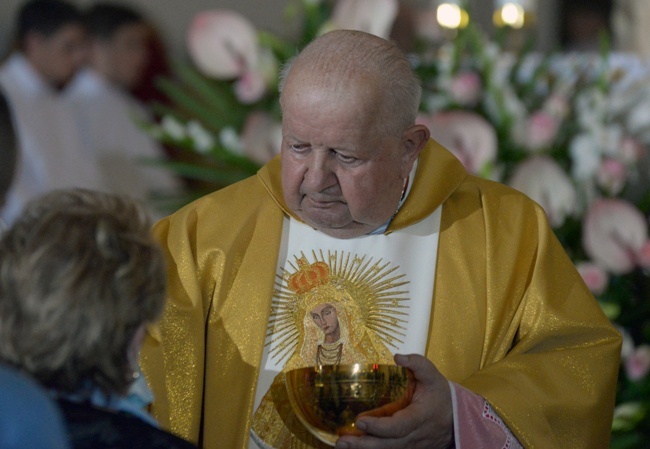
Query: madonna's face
pixel 326 318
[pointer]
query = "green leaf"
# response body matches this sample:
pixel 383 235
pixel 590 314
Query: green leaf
pixel 193 106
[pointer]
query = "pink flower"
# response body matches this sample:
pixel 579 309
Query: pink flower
pixel 557 106
pixel 372 16
pixel 631 150
pixel 611 176
pixel 615 235
pixel 250 87
pixel 261 137
pixel 541 130
pixel 643 256
pixel 637 364
pixel 470 137
pixel 222 44
pixel 542 179
pixel 466 88
pixel 594 276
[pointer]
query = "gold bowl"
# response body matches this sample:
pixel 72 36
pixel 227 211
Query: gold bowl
pixel 328 399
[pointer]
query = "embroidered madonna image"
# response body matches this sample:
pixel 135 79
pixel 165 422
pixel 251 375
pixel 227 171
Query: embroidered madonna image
pixel 341 309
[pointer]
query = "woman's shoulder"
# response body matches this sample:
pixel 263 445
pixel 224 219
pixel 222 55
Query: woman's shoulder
pixel 96 428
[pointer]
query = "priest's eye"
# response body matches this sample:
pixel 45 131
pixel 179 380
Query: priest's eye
pixel 346 159
pixel 298 148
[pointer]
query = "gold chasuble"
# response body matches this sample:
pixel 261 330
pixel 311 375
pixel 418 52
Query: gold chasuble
pixel 510 318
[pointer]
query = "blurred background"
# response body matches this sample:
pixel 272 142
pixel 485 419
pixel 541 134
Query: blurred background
pixel 559 23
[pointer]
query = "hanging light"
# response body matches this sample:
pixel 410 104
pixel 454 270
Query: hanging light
pixel 514 13
pixel 451 14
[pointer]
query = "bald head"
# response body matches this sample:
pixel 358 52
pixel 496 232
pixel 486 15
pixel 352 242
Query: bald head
pixel 345 61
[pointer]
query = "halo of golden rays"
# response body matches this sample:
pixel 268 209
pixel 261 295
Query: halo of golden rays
pixel 375 288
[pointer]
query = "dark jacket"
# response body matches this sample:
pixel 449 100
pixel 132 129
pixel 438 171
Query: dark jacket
pixel 90 427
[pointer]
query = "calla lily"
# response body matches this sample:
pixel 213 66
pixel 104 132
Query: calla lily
pixel 262 137
pixel 372 16
pixel 542 179
pixel 250 87
pixel 594 276
pixel 469 136
pixel 615 235
pixel 222 44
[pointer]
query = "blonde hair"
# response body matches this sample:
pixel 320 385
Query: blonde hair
pixel 79 274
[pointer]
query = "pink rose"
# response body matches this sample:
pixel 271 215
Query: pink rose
pixel 594 276
pixel 611 176
pixel 466 88
pixel 543 180
pixel 470 137
pixel 261 137
pixel 222 44
pixel 372 16
pixel 637 364
pixel 541 130
pixel 615 235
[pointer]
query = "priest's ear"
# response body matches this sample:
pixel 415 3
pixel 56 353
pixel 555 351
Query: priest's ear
pixel 414 139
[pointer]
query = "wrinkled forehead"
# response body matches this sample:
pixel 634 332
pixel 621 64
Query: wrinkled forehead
pixel 335 85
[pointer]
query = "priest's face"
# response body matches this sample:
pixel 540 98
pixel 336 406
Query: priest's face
pixel 342 172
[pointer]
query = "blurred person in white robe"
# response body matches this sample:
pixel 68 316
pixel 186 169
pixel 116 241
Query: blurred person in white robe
pixel 109 116
pixel 50 48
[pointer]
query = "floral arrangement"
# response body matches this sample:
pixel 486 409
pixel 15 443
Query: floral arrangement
pixel 571 131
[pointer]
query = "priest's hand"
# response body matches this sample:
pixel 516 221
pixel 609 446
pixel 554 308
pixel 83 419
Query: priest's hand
pixel 427 422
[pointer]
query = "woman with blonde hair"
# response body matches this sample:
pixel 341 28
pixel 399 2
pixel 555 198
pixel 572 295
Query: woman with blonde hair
pixel 80 279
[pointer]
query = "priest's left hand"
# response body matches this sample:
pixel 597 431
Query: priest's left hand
pixel 427 422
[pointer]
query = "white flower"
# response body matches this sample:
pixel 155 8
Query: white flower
pixel 585 154
pixel 372 16
pixel 615 235
pixel 173 128
pixel 222 44
pixel 627 415
pixel 470 137
pixel 202 140
pixel 542 179
pixel 230 140
pixel 610 138
pixel 638 118
pixel 591 108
